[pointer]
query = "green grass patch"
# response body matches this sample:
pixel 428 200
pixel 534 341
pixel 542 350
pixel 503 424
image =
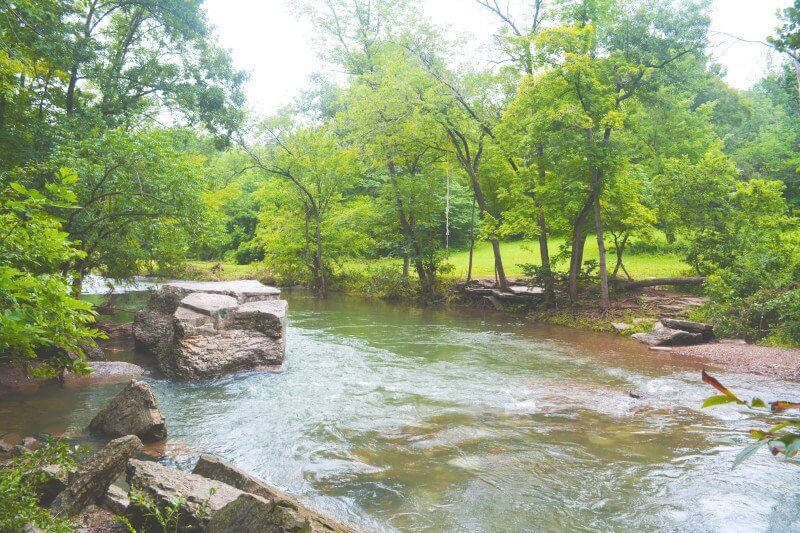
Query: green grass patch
pixel 515 253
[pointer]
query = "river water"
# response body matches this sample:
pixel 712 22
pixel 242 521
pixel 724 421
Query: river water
pixel 398 418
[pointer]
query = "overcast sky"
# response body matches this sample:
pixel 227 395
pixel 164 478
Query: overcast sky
pixel 267 39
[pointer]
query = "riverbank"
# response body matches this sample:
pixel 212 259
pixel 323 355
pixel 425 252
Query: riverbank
pixel 631 312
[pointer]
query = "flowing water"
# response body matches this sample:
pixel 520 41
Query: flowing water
pixel 397 418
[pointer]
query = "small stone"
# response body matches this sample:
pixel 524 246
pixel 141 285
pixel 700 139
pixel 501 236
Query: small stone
pixel 621 326
pixel 31 443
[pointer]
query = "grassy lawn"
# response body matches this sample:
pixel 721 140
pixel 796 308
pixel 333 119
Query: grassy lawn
pixel 514 253
pixel 640 266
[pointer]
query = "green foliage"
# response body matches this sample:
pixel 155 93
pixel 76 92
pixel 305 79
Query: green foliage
pixel 755 256
pixel 19 500
pixel 38 317
pixel 783 437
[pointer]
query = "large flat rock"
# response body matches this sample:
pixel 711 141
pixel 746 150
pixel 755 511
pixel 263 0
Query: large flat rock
pixel 244 291
pixel 209 304
pixel 200 498
pixel 201 330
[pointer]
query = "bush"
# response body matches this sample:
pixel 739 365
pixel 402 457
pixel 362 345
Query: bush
pixel 39 319
pixel 19 500
pixel 379 281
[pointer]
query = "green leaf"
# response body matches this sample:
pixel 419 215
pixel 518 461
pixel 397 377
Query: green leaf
pixel 719 399
pixel 793 447
pixel 745 453
pixel 758 403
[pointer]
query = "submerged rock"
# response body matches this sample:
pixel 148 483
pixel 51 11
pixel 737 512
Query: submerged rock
pixel 204 330
pixel 133 411
pixel 93 477
pixel 664 336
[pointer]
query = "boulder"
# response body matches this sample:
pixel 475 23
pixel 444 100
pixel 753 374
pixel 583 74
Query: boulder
pixel 664 336
pixel 200 498
pixel 212 467
pixel 93 477
pixel 201 330
pixel 252 514
pixel 707 330
pixel 133 411
pixel 153 323
pixel 214 353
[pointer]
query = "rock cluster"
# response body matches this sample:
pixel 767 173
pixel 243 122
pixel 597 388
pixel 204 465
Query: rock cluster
pixel 211 504
pixel 674 332
pixel 201 330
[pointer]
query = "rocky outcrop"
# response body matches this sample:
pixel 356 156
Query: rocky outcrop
pixel 664 336
pixel 200 498
pixel 205 330
pixel 133 411
pixel 252 514
pixel 212 467
pixel 223 501
pixel 93 477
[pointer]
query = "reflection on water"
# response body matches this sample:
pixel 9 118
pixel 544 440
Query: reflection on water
pixel 422 420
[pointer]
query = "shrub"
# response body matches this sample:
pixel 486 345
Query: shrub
pixel 19 501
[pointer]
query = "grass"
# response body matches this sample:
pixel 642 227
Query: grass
pixel 515 253
pixel 640 266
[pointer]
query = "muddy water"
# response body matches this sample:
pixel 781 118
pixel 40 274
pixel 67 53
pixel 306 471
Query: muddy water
pixel 398 418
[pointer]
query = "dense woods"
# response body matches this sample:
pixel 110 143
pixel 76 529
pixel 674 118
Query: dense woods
pixel 599 123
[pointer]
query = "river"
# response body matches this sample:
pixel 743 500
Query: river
pixel 398 418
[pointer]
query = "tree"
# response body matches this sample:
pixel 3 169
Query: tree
pixel 787 38
pixel 39 320
pixel 311 173
pixel 139 199
pixel 605 54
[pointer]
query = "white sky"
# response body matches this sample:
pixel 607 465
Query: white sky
pixel 268 40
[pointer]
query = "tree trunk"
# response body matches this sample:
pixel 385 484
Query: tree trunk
pixel 578 242
pixel 73 80
pixel 619 249
pixel 549 291
pixel 406 264
pixel 502 281
pixel 601 247
pixel 471 239
pixel 322 276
